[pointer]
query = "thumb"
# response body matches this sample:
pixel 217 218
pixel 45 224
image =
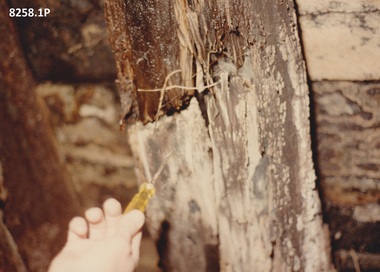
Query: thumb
pixel 130 224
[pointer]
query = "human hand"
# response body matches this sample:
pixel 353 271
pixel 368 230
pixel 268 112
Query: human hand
pixel 109 243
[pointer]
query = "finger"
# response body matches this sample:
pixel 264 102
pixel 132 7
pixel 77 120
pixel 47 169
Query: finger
pixel 136 242
pixel 112 212
pixel 96 222
pixel 77 229
pixel 130 224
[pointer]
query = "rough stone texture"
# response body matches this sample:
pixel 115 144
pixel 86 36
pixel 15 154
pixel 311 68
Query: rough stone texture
pixel 96 153
pixel 341 38
pixel 348 137
pixel 348 126
pixel 341 42
pixel 350 260
pixel 70 44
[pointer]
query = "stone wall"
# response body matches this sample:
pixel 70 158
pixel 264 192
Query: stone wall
pixel 341 46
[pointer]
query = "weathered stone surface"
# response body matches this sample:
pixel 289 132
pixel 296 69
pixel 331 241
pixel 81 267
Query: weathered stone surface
pixel 348 131
pixel 97 155
pixel 350 260
pixel 70 44
pixel 348 137
pixel 341 39
pixel 323 6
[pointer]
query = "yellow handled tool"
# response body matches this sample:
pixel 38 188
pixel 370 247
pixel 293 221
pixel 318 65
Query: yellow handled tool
pixel 141 199
pixel 146 191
